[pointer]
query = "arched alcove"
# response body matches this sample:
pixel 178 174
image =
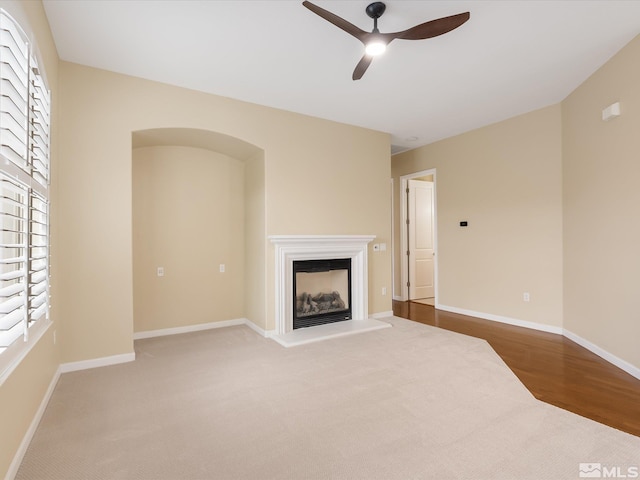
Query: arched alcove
pixel 198 229
pixel 195 138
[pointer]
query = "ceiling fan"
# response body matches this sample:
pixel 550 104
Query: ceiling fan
pixel 375 42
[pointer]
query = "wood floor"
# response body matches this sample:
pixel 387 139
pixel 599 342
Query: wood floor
pixel 555 369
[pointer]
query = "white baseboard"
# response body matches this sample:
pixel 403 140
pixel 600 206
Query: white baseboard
pixel 259 330
pixel 609 357
pixel 189 328
pixel 97 362
pixel 203 326
pixel 498 318
pixel 28 436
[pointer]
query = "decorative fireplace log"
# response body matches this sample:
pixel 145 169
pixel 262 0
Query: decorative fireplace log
pixel 306 304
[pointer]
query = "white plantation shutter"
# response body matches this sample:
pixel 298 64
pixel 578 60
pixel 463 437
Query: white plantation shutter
pixel 13 261
pixel 39 115
pixel 14 92
pixel 38 262
pixel 24 187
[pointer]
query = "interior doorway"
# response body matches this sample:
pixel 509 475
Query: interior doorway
pixel 418 237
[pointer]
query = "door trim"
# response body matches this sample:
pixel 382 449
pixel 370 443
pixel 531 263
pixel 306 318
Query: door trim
pixel 404 241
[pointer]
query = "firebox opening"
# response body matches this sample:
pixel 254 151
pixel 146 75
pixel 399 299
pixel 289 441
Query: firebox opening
pixel 321 292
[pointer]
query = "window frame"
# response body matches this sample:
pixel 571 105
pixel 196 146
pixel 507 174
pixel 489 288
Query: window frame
pixel 29 169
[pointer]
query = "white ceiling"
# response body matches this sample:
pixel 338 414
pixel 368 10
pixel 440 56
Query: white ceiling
pixel 511 57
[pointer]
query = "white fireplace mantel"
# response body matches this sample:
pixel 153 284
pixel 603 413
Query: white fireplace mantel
pixel 290 248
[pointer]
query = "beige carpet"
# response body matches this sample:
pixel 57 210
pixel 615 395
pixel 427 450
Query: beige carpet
pixel 406 402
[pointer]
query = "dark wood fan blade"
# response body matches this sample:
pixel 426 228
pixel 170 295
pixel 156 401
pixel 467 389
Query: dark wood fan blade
pixel 362 66
pixel 339 22
pixel 433 28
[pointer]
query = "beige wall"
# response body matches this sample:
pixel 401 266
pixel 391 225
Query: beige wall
pixel 255 304
pixel 21 395
pixel 505 180
pixel 319 177
pixel 23 391
pixel 337 186
pixel 601 167
pixel 188 217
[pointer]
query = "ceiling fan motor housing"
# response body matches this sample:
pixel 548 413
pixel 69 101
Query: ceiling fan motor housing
pixel 376 9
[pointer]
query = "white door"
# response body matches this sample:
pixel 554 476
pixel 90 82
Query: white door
pixel 421 241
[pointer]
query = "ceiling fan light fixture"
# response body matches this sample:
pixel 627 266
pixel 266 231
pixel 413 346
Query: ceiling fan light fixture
pixel 375 48
pixel 375 43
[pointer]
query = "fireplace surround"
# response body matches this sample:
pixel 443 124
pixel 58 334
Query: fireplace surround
pixel 291 248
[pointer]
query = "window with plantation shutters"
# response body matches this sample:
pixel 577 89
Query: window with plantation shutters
pixel 24 189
